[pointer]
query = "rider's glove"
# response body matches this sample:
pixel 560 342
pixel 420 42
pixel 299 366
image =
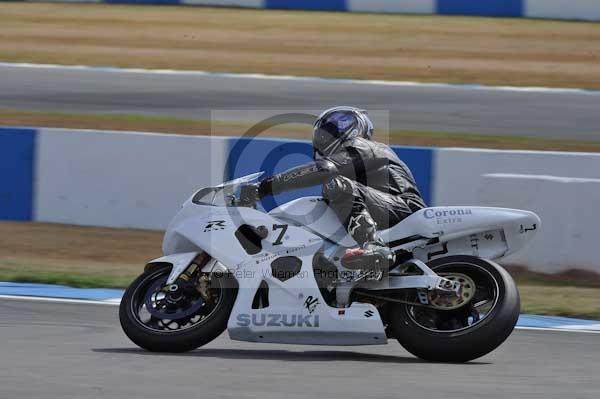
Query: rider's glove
pixel 249 194
pixel 252 193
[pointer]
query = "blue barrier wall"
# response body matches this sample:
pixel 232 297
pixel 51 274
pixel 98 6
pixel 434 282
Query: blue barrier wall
pixel 321 5
pixel 555 9
pixel 17 154
pixel 272 155
pixel 499 8
pixel 86 177
pixel 420 162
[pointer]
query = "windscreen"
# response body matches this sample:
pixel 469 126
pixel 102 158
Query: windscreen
pixel 224 194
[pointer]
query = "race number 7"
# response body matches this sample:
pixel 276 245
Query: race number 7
pixel 283 228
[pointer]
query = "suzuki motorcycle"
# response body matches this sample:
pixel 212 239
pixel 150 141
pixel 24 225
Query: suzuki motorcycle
pixel 281 277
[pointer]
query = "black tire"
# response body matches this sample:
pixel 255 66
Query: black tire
pixel 468 343
pixel 176 341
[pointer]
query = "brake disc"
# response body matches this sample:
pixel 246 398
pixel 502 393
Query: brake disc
pixel 161 305
pixel 448 301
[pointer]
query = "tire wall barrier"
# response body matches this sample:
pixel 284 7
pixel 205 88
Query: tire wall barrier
pixel 554 9
pixel 139 180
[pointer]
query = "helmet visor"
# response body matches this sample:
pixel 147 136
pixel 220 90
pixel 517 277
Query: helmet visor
pixel 331 131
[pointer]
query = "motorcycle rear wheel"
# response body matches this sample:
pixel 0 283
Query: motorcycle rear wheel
pixel 466 333
pixel 192 325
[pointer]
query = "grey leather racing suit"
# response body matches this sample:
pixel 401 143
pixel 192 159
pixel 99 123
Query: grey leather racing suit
pixel 364 182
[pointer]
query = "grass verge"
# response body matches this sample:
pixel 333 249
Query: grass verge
pixel 125 122
pixel 27 274
pixel 104 257
pixel 571 294
pixel 556 300
pixel 427 48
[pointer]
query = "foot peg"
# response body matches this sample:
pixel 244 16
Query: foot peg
pixel 370 258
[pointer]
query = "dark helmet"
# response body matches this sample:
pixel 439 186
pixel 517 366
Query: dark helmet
pixel 338 124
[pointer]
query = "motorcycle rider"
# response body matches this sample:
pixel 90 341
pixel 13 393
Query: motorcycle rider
pixel 363 181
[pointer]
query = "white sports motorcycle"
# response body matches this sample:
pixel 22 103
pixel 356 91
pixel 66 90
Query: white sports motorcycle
pixel 279 277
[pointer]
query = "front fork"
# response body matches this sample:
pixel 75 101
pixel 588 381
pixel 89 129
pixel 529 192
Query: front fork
pixel 180 263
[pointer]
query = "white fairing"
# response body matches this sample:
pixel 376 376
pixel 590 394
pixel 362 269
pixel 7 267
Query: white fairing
pixel 288 318
pixel 294 232
pixel 484 232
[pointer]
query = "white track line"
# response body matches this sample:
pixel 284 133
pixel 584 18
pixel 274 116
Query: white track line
pixel 554 90
pixel 109 302
pixel 558 329
pixel 116 302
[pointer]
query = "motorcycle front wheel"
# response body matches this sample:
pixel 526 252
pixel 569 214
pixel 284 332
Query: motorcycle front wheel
pixel 176 318
pixel 466 332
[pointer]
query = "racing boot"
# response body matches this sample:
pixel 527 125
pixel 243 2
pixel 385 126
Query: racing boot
pixel 372 254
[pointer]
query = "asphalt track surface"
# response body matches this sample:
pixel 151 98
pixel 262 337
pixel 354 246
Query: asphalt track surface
pixel 553 114
pixel 61 350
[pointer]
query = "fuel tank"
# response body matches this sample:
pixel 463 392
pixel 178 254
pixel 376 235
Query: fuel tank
pixel 314 214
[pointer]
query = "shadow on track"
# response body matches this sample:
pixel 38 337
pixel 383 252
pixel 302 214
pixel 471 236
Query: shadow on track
pixel 281 355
